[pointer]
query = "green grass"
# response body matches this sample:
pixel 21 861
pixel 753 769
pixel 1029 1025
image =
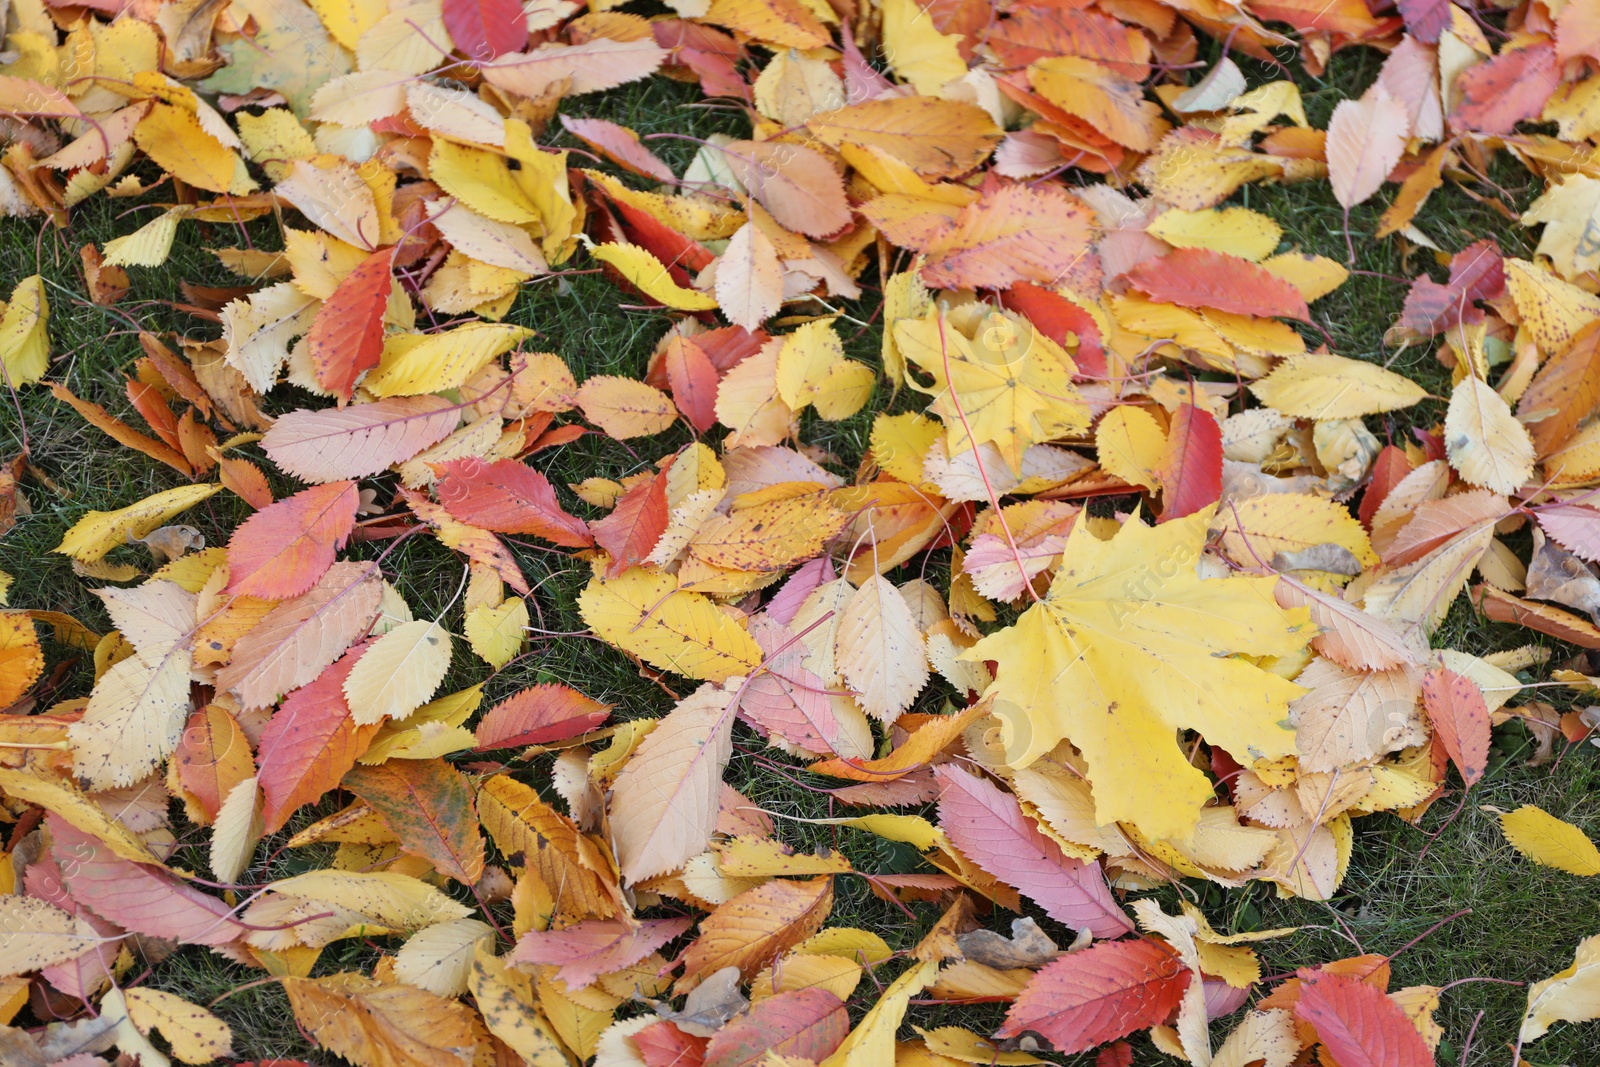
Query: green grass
pixel 1523 922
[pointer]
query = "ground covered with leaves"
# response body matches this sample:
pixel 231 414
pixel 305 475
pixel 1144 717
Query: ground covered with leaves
pixel 769 532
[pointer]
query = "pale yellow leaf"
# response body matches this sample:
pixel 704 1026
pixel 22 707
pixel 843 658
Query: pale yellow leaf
pixel 398 674
pixel 439 958
pixel 238 828
pixel 1572 995
pixel 1484 441
pixel 879 649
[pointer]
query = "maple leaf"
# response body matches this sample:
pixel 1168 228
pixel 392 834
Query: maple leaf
pixel 1131 644
pixel 995 384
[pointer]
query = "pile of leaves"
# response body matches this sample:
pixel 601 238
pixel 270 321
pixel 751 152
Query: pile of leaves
pixel 1133 593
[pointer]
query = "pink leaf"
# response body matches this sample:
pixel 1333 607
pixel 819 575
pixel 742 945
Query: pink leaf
pixel 589 949
pixel 357 441
pixel 634 525
pixel 807 1024
pixel 145 899
pixel 620 145
pixel 309 743
pixel 989 827
pixel 1574 527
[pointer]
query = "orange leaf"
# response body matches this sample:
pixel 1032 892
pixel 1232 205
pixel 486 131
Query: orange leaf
pixel 1460 720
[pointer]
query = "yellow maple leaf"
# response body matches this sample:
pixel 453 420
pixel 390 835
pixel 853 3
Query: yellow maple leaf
pixel 995 379
pixel 1131 646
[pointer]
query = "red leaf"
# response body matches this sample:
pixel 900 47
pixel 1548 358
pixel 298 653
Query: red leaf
pixel 1191 474
pixel 634 525
pixel 807 1024
pixel 282 550
pixel 346 337
pixel 1104 992
pixel 1055 316
pixel 428 805
pixel 1200 277
pixel 1391 465
pixel 1116 1054
pixel 1360 1025
pixel 661 1044
pixel 508 497
pixel 310 743
pixel 1574 527
pixel 694 382
pixel 484 29
pixel 1426 19
pixel 589 949
pixel 988 826
pixel 136 896
pixel 1460 720
pixel 1509 88
pixel 538 716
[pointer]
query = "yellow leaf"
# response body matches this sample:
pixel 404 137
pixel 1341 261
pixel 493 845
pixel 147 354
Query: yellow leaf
pixel 398 901
pixel 1132 445
pixel 1130 645
pixel 871 1043
pixel 1010 384
pixel 1484 441
pixel 377 1025
pixel 1314 276
pixel 433 362
pixel 24 339
pixel 398 674
pixel 647 274
pixel 506 1000
pixel 1256 529
pixel 1552 311
pixel 1235 230
pixel 196 1035
pixel 844 391
pixel 917 51
pixel 62 797
pixel 496 633
pixel 1322 386
pixel 625 407
pixel 482 181
pixel 1549 841
pixel 347 20
pixel 432 730
pixel 901 442
pixel 176 142
pixel 21 658
pixel 880 650
pixel 274 139
pixel 1572 995
pixel 804 360
pixel 1109 102
pixel 643 612
pixel 150 244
